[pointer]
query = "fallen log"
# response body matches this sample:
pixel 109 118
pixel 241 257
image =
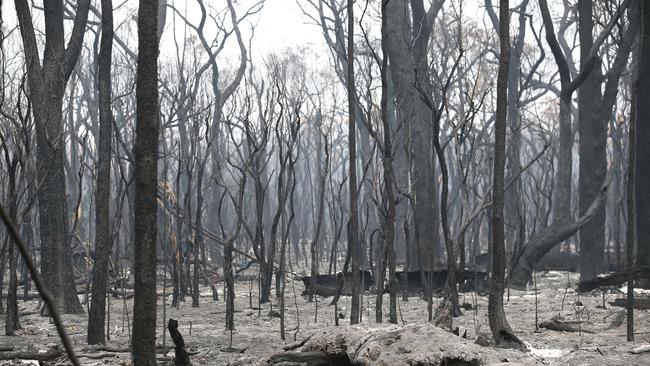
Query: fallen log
pixel 393 345
pixel 639 303
pixel 316 357
pixel 326 285
pixel 468 281
pixel 95 348
pixel 37 356
pixel 616 279
pixel 98 355
pixel 563 326
pixel 639 350
pixel 30 296
pixel 294 346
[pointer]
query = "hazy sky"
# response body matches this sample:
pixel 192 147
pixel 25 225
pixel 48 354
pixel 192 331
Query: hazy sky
pixel 283 23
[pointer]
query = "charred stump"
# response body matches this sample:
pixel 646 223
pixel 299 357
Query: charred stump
pixel 182 357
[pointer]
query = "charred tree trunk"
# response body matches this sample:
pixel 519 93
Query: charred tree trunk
pixel 546 239
pixel 322 178
pixel 631 234
pixel 11 320
pixel 97 313
pixel 199 245
pixel 46 88
pixel 501 331
pixel 642 159
pixel 353 227
pixel 564 226
pixel 146 185
pixel 389 204
pixel 182 357
pixel 592 127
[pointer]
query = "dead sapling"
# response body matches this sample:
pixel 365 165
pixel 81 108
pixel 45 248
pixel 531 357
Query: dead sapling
pixel 579 308
pixel 535 290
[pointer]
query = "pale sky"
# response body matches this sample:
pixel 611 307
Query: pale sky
pixel 279 24
pixel 283 23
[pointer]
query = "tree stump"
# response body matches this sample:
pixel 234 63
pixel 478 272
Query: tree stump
pixel 182 357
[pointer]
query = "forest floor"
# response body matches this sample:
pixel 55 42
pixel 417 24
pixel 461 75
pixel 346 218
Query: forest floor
pixel 258 335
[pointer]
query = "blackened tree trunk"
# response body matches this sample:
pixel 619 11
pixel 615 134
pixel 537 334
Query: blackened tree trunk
pixel 592 127
pixel 630 235
pixel 408 34
pixel 353 227
pixel 228 250
pixel 389 201
pixel 499 326
pixel 229 280
pixel 199 249
pixel 562 207
pixel 322 170
pixel 46 88
pixel 146 185
pixel 11 320
pixel 564 226
pixel 642 165
pixel 97 313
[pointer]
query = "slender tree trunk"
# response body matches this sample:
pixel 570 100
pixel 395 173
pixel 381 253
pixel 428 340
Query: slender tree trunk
pixel 12 322
pixel 198 241
pixel 322 178
pixel 630 234
pixel 229 280
pixel 501 331
pixel 228 249
pixel 407 246
pixel 642 158
pixel 388 231
pixel 97 313
pixel 146 185
pixel 353 227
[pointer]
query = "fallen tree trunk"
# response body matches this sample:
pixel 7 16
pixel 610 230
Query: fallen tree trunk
pixel 616 279
pixel 639 304
pixel 546 239
pixel 38 356
pixel 98 355
pixel 393 345
pixel 563 326
pixel 639 350
pixel 326 285
pixel 315 357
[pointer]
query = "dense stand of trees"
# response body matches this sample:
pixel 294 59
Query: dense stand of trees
pixel 128 162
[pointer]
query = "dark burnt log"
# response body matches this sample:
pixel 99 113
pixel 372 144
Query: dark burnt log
pixel 468 281
pixel 616 279
pixel 37 356
pixel 639 303
pixel 326 285
pixel 310 358
pixel 563 326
